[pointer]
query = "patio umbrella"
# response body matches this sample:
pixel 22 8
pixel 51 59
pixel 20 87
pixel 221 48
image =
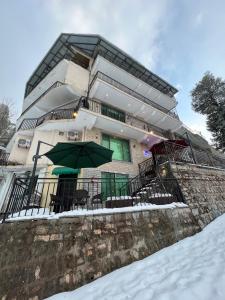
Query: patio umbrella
pixel 79 155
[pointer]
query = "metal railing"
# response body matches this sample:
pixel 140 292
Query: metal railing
pixel 57 114
pixel 54 85
pixel 4 159
pixel 56 195
pixel 155 190
pixel 95 106
pixel 179 153
pixel 131 92
pixel 146 167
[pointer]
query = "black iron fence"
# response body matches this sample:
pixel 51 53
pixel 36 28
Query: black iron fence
pixel 56 195
pixel 4 159
pixel 57 114
pixel 179 153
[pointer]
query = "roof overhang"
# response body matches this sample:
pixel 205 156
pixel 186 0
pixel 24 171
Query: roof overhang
pixel 92 45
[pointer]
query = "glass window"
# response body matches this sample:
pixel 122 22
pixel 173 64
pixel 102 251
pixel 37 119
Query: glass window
pixel 120 147
pixel 113 113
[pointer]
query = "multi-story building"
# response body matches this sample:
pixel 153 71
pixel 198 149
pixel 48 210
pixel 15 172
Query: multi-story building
pixel 85 88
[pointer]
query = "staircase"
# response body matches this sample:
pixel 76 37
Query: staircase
pixel 148 187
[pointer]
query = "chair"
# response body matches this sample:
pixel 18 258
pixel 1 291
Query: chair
pixel 96 200
pixel 55 203
pixel 60 203
pixel 80 197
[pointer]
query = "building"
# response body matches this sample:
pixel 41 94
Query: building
pixel 85 88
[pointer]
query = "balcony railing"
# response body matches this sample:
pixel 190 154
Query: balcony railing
pixel 95 106
pixel 57 114
pixel 131 92
pixel 4 159
pixel 54 85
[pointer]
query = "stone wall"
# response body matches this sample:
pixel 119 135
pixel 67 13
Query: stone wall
pixel 43 257
pixel 203 189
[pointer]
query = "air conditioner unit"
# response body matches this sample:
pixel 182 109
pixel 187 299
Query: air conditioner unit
pixel 24 143
pixel 72 135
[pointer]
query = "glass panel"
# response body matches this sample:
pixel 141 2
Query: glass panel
pixel 105 141
pixel 107 185
pixel 126 151
pixel 120 147
pixel 116 146
pixel 112 184
pixel 120 182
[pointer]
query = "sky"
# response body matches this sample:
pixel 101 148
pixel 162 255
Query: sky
pixel 177 40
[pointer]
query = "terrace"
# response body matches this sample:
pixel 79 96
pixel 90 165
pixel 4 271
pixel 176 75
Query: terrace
pixel 153 186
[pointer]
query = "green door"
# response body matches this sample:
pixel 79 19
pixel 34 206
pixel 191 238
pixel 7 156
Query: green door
pixel 114 184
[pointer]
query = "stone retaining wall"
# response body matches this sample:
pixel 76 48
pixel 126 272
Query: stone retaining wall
pixel 203 189
pixel 43 257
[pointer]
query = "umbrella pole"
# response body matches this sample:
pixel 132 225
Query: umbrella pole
pixel 32 178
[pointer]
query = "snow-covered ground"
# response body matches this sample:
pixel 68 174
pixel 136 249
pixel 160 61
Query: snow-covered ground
pixel 192 269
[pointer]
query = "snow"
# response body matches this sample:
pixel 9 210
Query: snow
pixel 46 214
pixel 121 198
pixel 192 269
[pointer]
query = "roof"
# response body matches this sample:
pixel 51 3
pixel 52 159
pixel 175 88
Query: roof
pixel 93 45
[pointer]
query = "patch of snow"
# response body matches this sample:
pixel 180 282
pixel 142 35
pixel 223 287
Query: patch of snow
pixel 121 198
pixel 192 269
pixel 35 214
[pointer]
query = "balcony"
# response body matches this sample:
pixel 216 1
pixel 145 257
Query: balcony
pixel 118 95
pixel 91 115
pixel 120 75
pixel 124 117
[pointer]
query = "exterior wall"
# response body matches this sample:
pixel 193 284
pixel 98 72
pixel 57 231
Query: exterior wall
pixel 123 167
pixel 57 74
pixel 45 257
pixel 78 77
pixel 24 156
pixel 18 154
pixel 203 189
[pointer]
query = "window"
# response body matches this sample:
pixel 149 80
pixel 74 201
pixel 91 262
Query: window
pixel 113 113
pixel 120 147
pixel 112 184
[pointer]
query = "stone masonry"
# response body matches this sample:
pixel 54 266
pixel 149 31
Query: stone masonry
pixel 40 258
pixel 203 189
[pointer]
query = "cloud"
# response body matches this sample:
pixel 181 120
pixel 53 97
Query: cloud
pixel 134 26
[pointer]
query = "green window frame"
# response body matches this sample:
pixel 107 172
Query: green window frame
pixel 120 147
pixel 112 183
pixel 112 113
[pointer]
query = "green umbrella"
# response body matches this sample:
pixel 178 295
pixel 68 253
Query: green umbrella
pixel 79 155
